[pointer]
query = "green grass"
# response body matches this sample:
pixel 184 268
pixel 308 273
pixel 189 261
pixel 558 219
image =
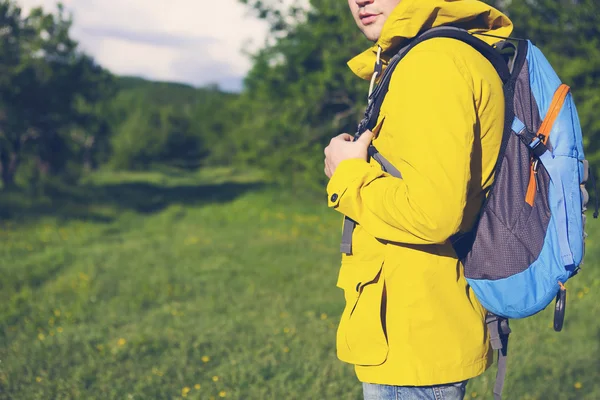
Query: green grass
pixel 138 286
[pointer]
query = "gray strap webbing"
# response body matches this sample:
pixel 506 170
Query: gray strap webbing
pixel 346 246
pixel 349 224
pixel 386 165
pixel 499 331
pixel 500 375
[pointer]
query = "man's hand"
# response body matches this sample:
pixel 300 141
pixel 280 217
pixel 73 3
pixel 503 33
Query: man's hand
pixel 343 148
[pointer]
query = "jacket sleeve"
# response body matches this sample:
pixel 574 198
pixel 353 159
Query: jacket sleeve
pixel 432 120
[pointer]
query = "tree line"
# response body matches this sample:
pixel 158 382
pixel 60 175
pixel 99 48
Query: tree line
pixel 62 114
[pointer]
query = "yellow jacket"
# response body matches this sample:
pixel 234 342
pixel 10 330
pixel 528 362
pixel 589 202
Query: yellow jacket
pixel 410 316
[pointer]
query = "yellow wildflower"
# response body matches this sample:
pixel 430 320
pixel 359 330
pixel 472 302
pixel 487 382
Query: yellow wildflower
pixel 185 391
pixel 197 386
pixel 121 342
pixel 286 349
pixel 580 294
pixel 586 290
pixel 59 329
pixel 474 394
pixel 57 313
pixel 38 379
pixel 222 393
pixel 578 385
pixel 286 330
pixel 191 240
pixel 205 359
pixel 41 336
pixel 323 316
pixel 215 378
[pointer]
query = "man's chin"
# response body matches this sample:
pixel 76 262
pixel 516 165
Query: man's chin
pixel 372 33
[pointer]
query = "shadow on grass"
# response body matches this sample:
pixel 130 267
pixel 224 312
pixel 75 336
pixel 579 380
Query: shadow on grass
pixel 101 202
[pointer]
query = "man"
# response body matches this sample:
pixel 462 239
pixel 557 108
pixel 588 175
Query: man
pixel 412 325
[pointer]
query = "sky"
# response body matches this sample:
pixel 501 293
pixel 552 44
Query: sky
pixel 198 42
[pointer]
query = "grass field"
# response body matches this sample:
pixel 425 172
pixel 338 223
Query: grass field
pixel 202 286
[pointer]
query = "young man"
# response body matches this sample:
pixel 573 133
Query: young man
pixel 412 325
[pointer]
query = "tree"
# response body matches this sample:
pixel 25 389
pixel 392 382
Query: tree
pixel 11 31
pixel 168 123
pixel 45 78
pixel 299 92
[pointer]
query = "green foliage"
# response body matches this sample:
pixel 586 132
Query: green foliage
pixel 45 84
pixel 122 286
pixel 167 123
pixel 61 114
pixel 299 93
pixel 150 134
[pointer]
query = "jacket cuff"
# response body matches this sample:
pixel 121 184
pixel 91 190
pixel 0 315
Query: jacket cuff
pixel 347 172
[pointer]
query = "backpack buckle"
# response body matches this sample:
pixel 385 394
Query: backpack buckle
pixel 559 308
pixel 535 143
pixel 499 330
pixel 537 146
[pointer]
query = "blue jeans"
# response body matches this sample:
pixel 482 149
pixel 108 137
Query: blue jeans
pixel 452 391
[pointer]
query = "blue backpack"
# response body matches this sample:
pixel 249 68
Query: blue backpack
pixel 529 238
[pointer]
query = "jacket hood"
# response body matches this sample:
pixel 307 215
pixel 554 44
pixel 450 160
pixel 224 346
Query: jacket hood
pixel 413 16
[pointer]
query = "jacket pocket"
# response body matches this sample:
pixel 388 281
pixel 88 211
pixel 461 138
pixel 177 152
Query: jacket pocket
pixel 361 335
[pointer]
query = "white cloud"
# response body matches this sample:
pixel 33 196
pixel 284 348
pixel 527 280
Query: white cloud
pixel 193 41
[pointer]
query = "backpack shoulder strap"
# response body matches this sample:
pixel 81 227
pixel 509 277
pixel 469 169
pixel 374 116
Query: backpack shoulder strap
pixel 489 52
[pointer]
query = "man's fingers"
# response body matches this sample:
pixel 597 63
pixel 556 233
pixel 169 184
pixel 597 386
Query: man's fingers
pixel 344 136
pixel 327 171
pixel 366 138
pixel 341 148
